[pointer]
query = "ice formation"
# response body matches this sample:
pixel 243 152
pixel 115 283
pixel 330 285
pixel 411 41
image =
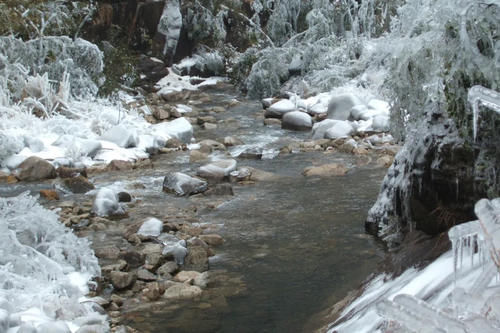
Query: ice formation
pixel 458 292
pixel 44 268
pixel 479 95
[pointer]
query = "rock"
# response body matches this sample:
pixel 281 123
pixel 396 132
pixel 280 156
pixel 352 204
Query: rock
pixel 145 275
pixel 272 122
pixel 260 175
pixel 11 179
pixel 340 129
pixel 106 203
pixel 209 126
pixel 320 128
pixel 34 168
pixel 340 106
pixel 122 280
pixel 202 280
pixel 253 153
pixel 54 327
pixel 267 102
pixel 241 174
pixel 177 251
pixel 206 119
pixel 121 136
pixel 133 258
pixel 380 123
pixel 160 113
pixel 182 291
pixel 153 291
pixel 230 141
pixel 211 145
pixel 119 165
pixel 179 128
pixel 174 143
pixel 49 194
pixel 348 146
pixel 65 172
pixel 278 109
pixel 385 161
pixel 326 170
pixel 151 227
pixel 186 276
pixel 107 252
pixel 212 239
pixel 182 184
pixel 3 177
pixel 220 189
pixel 95 328
pixel 217 170
pixel 197 259
pixel 297 121
pixel 167 269
pixel 78 184
pixel 197 156
pixel 124 197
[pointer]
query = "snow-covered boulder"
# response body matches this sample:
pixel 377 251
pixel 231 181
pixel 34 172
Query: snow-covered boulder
pixel 340 106
pixel 297 120
pixel 178 250
pixel 380 123
pixel 121 136
pixel 106 203
pixel 319 129
pixel 182 184
pixel 218 169
pixel 151 227
pixel 179 128
pixel 79 146
pixel 341 129
pixel 278 109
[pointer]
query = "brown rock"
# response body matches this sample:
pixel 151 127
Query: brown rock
pixel 206 119
pixel 327 170
pixel 145 275
pixel 197 156
pixel 49 194
pixel 209 126
pixel 65 172
pixel 167 269
pixel 118 165
pixel 212 239
pixel 107 252
pixel 34 168
pixel 3 177
pixel 78 184
pixel 122 280
pixel 160 113
pixel 197 259
pixel 133 258
pixel 186 276
pixel 385 161
pixel 232 141
pixel 153 291
pixel 182 291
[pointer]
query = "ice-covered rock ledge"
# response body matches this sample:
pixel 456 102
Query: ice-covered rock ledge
pixel 458 292
pixel 44 272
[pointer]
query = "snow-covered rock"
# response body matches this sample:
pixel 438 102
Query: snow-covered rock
pixel 178 250
pixel 122 136
pixel 179 128
pixel 218 169
pixel 297 120
pixel 151 227
pixel 341 129
pixel 182 184
pixel 380 123
pixel 278 109
pixel 319 129
pixel 106 203
pixel 340 106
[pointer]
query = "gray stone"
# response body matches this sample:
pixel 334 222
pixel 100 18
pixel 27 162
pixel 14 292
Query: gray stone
pixel 297 121
pixel 167 269
pixel 232 141
pixel 182 291
pixel 220 189
pixel 212 239
pixel 197 259
pixel 145 275
pixel 211 145
pixel 217 170
pixel 182 184
pixel 34 168
pixel 122 280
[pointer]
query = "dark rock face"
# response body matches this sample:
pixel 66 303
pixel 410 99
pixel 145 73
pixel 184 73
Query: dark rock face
pixel 432 184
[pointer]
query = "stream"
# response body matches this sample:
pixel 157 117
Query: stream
pixel 293 245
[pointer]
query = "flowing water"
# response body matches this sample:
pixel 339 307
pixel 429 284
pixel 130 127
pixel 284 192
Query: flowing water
pixel 293 245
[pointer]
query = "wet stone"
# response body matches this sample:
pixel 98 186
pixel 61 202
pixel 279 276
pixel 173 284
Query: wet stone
pixel 145 275
pixel 133 258
pixel 124 197
pixel 197 259
pixel 122 280
pixel 49 194
pixel 78 184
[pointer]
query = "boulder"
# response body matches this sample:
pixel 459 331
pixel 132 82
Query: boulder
pixel 326 170
pixel 151 227
pixel 217 170
pixel 212 239
pixel 197 259
pixel 297 121
pixel 278 109
pixel 34 168
pixel 380 123
pixel 182 184
pixel 232 141
pixel 179 128
pixel 197 155
pixel 119 165
pixel 78 184
pixel 182 291
pixel 122 280
pixel 340 129
pixel 177 251
pixel 340 106
pixel 121 136
pixel 167 269
pixel 106 203
pixel 49 194
pixel 319 129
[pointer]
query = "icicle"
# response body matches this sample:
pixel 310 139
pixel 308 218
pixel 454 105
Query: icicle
pixel 486 97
